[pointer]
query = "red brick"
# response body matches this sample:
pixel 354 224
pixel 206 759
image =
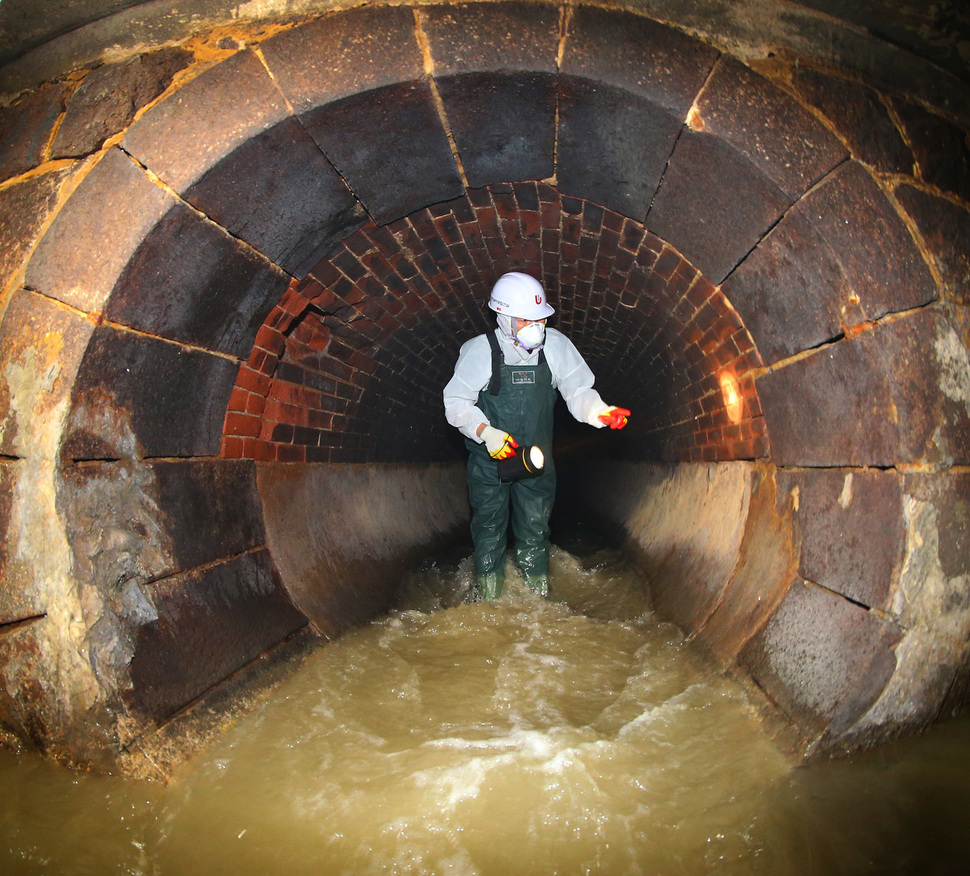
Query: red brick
pixel 241 424
pixel 360 242
pixel 293 302
pixel 531 223
pixel 408 238
pixel 505 204
pixel 233 447
pixel 270 339
pixel 261 361
pixel 380 237
pixel 238 399
pixel 291 453
pixel 320 419
pixel 550 215
pixel 254 381
pixel 488 222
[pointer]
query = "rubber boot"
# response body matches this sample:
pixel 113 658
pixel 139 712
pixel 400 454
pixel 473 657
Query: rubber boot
pixel 490 586
pixel 538 584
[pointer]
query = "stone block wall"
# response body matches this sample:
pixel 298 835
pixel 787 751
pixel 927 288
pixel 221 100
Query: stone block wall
pixel 260 251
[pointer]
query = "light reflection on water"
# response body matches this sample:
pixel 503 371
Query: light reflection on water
pixel 570 736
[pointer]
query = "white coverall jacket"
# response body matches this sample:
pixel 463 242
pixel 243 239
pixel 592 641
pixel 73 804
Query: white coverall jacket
pixel 473 371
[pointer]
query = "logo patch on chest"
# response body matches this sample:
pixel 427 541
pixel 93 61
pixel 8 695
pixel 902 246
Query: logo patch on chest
pixel 519 377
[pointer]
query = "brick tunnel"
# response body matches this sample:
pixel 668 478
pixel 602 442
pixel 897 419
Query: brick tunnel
pixel 237 271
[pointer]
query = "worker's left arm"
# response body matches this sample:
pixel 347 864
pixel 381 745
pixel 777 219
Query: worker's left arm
pixel 574 380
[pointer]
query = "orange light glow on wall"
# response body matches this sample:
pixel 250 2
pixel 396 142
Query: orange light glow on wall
pixel 732 396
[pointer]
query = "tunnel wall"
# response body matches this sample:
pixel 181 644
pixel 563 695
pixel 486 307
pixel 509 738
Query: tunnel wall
pixel 345 535
pixel 166 277
pixel 806 584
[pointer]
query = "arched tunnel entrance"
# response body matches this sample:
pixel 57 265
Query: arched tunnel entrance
pixel 229 316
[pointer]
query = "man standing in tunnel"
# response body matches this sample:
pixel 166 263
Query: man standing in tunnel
pixel 501 398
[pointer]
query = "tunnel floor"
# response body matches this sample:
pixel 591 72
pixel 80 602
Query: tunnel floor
pixel 576 735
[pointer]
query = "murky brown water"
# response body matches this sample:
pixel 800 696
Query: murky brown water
pixel 520 737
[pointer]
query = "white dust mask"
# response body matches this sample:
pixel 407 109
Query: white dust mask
pixel 532 335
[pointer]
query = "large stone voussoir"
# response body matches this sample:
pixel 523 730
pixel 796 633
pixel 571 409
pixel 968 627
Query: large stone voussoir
pixel 860 118
pixel 613 145
pixel 24 208
pixel 931 366
pixel 777 135
pixel 877 252
pixel 503 125
pixel 110 96
pixel 491 37
pixel 495 69
pixel 135 520
pixel 931 602
pixel 626 86
pixel 945 229
pixel 714 205
pixel 897 394
pixel 390 147
pixel 27 125
pixel 850 527
pixel 20 595
pixel 79 259
pixel 24 706
pixel 822 659
pixel 339 56
pixel 358 84
pixel 41 346
pixel 211 507
pixel 278 192
pixel 190 281
pixel 136 395
pixel 659 63
pixel 185 135
pixel 211 623
pixel 940 148
pixel 791 291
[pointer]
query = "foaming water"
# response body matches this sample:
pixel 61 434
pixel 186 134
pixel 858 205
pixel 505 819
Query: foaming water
pixel 520 736
pixel 575 735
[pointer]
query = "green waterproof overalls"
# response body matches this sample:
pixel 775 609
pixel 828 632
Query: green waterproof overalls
pixel 519 400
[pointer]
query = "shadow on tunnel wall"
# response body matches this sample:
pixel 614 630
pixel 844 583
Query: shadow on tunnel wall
pixel 228 321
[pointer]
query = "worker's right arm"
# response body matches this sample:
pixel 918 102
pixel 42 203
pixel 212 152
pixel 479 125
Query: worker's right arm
pixel 472 373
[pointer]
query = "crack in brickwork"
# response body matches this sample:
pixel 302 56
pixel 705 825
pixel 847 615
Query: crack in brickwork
pixel 349 366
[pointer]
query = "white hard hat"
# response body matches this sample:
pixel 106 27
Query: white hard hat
pixel 520 295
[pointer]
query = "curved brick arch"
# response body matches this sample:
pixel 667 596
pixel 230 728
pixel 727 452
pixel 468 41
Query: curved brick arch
pixel 213 223
pixel 363 345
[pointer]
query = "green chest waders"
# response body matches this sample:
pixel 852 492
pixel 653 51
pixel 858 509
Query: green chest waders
pixel 520 401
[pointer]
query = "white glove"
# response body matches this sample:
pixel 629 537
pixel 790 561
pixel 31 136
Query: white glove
pixel 500 445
